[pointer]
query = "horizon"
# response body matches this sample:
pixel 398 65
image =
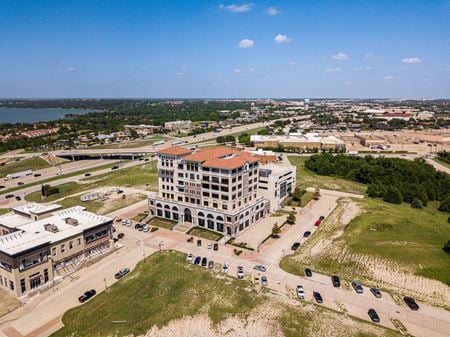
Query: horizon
pixel 220 49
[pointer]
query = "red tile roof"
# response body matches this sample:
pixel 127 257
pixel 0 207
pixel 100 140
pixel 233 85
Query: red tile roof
pixel 211 153
pixel 231 163
pixel 175 151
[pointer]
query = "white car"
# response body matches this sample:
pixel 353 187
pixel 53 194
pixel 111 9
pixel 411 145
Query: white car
pixel 124 222
pixel 190 257
pixel 240 272
pixel 300 292
pixel 225 268
pixel 209 245
pixel 145 229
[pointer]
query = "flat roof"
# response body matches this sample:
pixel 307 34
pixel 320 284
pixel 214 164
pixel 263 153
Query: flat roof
pixel 35 208
pixel 33 234
pixel 12 220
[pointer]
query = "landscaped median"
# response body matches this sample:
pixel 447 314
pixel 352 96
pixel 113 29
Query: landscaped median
pixel 205 233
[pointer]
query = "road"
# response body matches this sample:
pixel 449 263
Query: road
pixel 41 315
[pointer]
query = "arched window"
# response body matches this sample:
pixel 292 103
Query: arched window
pixel 201 214
pixel 219 218
pixel 167 207
pixel 158 205
pixel 175 208
pixel 210 216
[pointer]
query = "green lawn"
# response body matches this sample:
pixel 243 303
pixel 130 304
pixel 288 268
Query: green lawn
pixel 22 165
pixel 160 222
pixel 162 288
pixel 413 238
pixel 307 178
pixel 304 200
pixel 205 233
pixel 64 190
pixel 436 159
pixel 4 210
pixel 131 144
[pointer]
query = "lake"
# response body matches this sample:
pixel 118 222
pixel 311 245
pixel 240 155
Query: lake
pixel 30 115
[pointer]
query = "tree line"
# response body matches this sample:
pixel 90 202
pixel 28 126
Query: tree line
pixel 392 179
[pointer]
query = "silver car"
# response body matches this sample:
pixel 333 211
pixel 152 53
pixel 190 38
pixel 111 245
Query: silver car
pixel 357 286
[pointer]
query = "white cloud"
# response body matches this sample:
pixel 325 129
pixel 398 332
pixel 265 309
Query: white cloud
pixel 292 62
pixel 389 78
pixel 237 8
pixel 340 57
pixel 272 11
pixel 333 70
pixel 412 60
pixel 281 38
pixel 182 72
pixel 251 70
pixel 244 70
pixel 71 69
pixel 237 70
pixel 368 55
pixel 246 43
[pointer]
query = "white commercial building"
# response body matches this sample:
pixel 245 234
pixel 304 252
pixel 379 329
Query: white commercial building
pixel 178 125
pixel 276 182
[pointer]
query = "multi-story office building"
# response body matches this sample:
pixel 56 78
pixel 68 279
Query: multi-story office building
pixel 35 252
pixel 299 142
pixel 178 125
pixel 276 182
pixel 213 188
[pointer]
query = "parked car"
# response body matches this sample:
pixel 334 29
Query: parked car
pixel 9 196
pixel 375 292
pixel 87 174
pixel 317 223
pixel 317 297
pixel 216 246
pixel 306 234
pixel 204 261
pixel 145 228
pixel 121 273
pixel 264 281
pixel 357 286
pixel 335 280
pixel 295 246
pixel 256 279
pixel 199 243
pixel 119 192
pixel 120 236
pixel 18 198
pixel 374 316
pixel 225 268
pixel 300 293
pixel 197 260
pixel 211 264
pixel 87 295
pixel 411 303
pixel 321 218
pixel 260 268
pixel 240 272
pixel 190 257
pixel 308 272
pixel 137 226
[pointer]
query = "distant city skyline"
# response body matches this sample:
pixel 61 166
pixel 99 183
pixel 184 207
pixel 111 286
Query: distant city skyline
pixel 225 49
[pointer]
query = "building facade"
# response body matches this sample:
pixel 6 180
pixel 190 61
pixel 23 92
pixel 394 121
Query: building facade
pixel 213 188
pixel 276 182
pixel 299 142
pixel 178 125
pixel 35 253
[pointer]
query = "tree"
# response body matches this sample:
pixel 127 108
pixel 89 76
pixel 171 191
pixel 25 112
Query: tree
pixel 229 139
pixel 416 203
pixel 446 247
pixel 275 229
pixel 393 195
pixel 220 140
pixel 444 206
pixel 291 219
pixel 375 190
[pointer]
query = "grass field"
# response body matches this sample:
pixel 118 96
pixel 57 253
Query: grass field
pixel 163 223
pixel 64 191
pixel 164 288
pixel 304 200
pixel 383 234
pixel 160 289
pixel 437 160
pixel 131 144
pixel 22 165
pixel 307 178
pixel 205 233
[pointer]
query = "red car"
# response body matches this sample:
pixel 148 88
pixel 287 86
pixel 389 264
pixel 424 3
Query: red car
pixel 317 223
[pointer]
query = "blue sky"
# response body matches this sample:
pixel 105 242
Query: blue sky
pixel 198 48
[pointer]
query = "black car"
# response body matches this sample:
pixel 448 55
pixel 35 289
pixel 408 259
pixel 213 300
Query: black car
pixel 2 186
pixel 37 174
pixel 306 234
pixel 20 183
pixel 375 292
pixel 199 243
pixel 211 264
pixel 317 297
pixel 321 218
pixel 9 196
pixel 138 226
pixel 335 280
pixel 216 246
pixel 295 246
pixel 87 295
pixel 374 316
pixel 411 303
pixel 308 272
pixel 18 198
pixel 87 174
pixel 114 167
pixel 197 260
pixel 357 286
pixel 204 261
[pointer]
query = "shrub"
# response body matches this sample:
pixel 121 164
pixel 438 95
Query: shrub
pixel 416 203
pixel 237 251
pixel 446 247
pixel 154 229
pixel 444 206
pixel 393 195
